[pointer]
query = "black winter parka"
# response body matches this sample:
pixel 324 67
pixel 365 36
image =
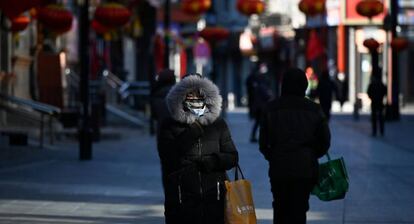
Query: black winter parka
pixel 294 134
pixel 195 153
pixel 195 157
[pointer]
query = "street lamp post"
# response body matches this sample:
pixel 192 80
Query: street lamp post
pixel 167 21
pixel 5 47
pixel 85 133
pixel 394 108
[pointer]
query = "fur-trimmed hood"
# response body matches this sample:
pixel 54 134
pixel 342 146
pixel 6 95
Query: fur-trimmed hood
pixel 177 94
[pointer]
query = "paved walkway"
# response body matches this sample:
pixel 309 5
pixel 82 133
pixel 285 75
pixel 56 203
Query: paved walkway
pixel 122 183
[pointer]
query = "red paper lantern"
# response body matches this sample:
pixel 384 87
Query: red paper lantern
pixel 312 7
pixel 98 27
pixel 371 44
pixel 250 7
pixel 369 8
pixel 399 43
pixel 14 8
pixel 19 23
pixel 55 18
pixel 112 15
pixel 195 7
pixel 214 34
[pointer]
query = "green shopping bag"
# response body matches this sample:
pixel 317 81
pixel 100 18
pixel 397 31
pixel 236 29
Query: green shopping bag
pixel 333 180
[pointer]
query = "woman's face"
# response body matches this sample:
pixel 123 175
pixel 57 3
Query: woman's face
pixel 194 99
pixel 192 96
pixel 194 102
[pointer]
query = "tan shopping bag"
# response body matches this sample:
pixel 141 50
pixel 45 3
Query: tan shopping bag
pixel 239 206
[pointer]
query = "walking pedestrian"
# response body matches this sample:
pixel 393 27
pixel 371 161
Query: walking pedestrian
pixel 341 92
pixel 250 89
pixel 294 133
pixel 259 91
pixel 376 92
pixel 165 80
pixel 196 149
pixel 325 90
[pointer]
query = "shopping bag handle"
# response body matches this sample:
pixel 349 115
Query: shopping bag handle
pixel 236 172
pixel 343 167
pixel 328 156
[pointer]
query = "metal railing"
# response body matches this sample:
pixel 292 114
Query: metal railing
pixel 119 97
pixel 72 89
pixel 42 108
pixel 112 79
pixel 123 96
pixel 127 89
pixel 138 88
pixel 114 83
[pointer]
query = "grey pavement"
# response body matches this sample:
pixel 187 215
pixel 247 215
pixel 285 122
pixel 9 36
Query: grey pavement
pixel 122 183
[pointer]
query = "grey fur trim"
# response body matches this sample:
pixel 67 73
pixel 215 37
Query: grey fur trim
pixel 177 94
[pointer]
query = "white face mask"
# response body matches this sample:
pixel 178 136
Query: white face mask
pixel 199 111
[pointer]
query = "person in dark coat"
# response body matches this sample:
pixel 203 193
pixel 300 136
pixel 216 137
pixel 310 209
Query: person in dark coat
pixel 259 91
pixel 250 89
pixel 164 82
pixel 294 133
pixel 341 85
pixel 325 91
pixel 196 149
pixel 376 92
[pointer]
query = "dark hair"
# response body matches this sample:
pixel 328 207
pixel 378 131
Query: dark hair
pixel 166 76
pixel 294 82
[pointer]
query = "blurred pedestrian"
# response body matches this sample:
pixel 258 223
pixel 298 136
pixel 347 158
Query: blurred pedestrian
pixel 259 93
pixel 294 133
pixel 249 88
pixel 376 92
pixel 341 85
pixel 325 90
pixel 165 80
pixel 311 90
pixel 196 149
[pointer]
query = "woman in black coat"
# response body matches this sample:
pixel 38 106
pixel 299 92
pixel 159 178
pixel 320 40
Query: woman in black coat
pixel 195 151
